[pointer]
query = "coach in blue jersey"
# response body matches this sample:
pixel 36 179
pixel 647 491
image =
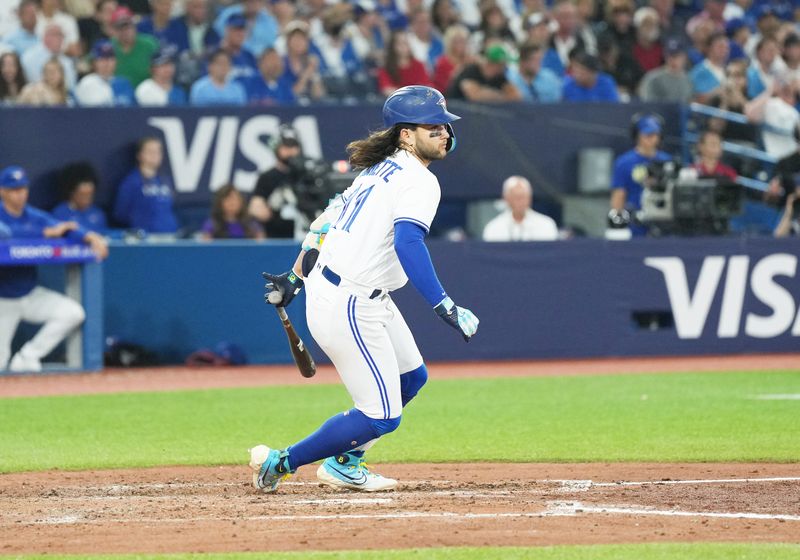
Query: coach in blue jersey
pixel 144 200
pixel 630 169
pixel 20 298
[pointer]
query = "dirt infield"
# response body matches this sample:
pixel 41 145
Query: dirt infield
pixel 214 509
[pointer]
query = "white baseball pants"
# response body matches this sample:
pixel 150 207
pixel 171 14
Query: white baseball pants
pixel 57 313
pixel 367 340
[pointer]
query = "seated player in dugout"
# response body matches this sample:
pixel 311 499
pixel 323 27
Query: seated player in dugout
pixel 631 171
pixel 21 299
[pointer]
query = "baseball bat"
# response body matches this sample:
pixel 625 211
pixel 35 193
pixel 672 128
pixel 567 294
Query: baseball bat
pixel 302 357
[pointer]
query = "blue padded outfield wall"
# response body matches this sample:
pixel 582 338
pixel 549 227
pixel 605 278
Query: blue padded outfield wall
pixel 535 300
pixel 210 146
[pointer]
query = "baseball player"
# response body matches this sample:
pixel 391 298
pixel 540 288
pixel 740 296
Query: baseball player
pixel 20 297
pixel 373 243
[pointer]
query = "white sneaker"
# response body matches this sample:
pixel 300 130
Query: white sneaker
pixel 20 363
pixel 351 472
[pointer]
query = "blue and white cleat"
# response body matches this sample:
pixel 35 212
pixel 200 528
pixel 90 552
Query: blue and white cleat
pixel 269 467
pixel 351 472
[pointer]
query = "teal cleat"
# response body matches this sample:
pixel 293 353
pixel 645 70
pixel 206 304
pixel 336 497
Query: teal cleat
pixel 351 472
pixel 269 467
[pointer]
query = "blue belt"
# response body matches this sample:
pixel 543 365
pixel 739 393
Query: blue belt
pixel 335 279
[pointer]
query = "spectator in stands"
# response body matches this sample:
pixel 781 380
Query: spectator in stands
pixel 229 218
pixel 494 28
pixel 763 67
pixel 23 36
pixel 426 45
pixel 343 73
pixel 568 36
pixel 738 34
pixel 520 222
pixel 786 183
pixel 12 78
pixel 712 11
pixel 587 82
pixel 79 8
pixel 630 172
pixel 283 11
pixel 144 198
pixel 444 15
pixel 790 219
pixel 369 34
pixel 51 90
pixel 157 23
pixel 97 27
pixel 102 88
pixel 217 88
pixel 243 63
pixel 134 51
pixel 20 297
pixel 767 25
pixel 647 50
pixel 709 157
pixel 160 90
pixel 670 23
pixel 192 31
pixel 274 201
pixel 708 77
pixel 618 25
pixel 301 65
pixel 51 12
pixel 78 183
pixel 262 27
pixel 34 59
pixel 699 38
pixel 791 56
pixel 486 80
pixel 194 37
pixel 401 68
pixel 457 54
pixel 775 109
pixel 537 28
pixel 619 64
pixel 670 83
pixel 271 86
pixel 536 84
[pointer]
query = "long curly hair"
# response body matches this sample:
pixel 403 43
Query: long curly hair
pixel 376 147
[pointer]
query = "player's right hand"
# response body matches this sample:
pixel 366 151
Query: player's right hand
pixel 288 283
pixel 460 318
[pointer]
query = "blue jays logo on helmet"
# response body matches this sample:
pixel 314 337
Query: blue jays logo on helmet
pixel 419 105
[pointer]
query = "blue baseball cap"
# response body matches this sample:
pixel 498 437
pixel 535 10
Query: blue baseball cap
pixel 164 55
pixel 649 125
pixel 236 20
pixel 734 25
pixel 103 49
pixel 13 177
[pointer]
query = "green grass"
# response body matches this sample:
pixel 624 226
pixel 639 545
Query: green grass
pixel 675 417
pixel 709 551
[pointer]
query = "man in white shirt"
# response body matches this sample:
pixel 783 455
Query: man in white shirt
pixel 774 109
pixel 520 222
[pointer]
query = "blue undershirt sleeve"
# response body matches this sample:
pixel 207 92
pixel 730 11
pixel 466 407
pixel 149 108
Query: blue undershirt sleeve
pixel 415 259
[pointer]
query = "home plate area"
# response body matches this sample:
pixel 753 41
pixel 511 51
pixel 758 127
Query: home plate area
pixel 214 509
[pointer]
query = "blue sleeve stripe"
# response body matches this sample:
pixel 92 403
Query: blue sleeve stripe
pixel 421 224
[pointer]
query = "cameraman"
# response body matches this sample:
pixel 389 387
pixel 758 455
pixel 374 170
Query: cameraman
pixel 631 173
pixel 274 201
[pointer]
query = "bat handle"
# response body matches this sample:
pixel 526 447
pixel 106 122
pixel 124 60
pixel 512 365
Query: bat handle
pixel 281 313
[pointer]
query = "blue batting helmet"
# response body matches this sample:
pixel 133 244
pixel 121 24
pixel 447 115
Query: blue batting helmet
pixel 419 105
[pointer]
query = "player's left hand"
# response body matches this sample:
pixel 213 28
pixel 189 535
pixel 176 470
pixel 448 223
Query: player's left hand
pixel 460 318
pixel 288 283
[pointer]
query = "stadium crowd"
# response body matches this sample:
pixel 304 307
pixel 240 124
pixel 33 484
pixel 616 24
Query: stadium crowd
pixel 282 52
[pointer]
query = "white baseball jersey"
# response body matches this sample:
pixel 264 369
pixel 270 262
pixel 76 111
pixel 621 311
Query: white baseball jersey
pixel 359 246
